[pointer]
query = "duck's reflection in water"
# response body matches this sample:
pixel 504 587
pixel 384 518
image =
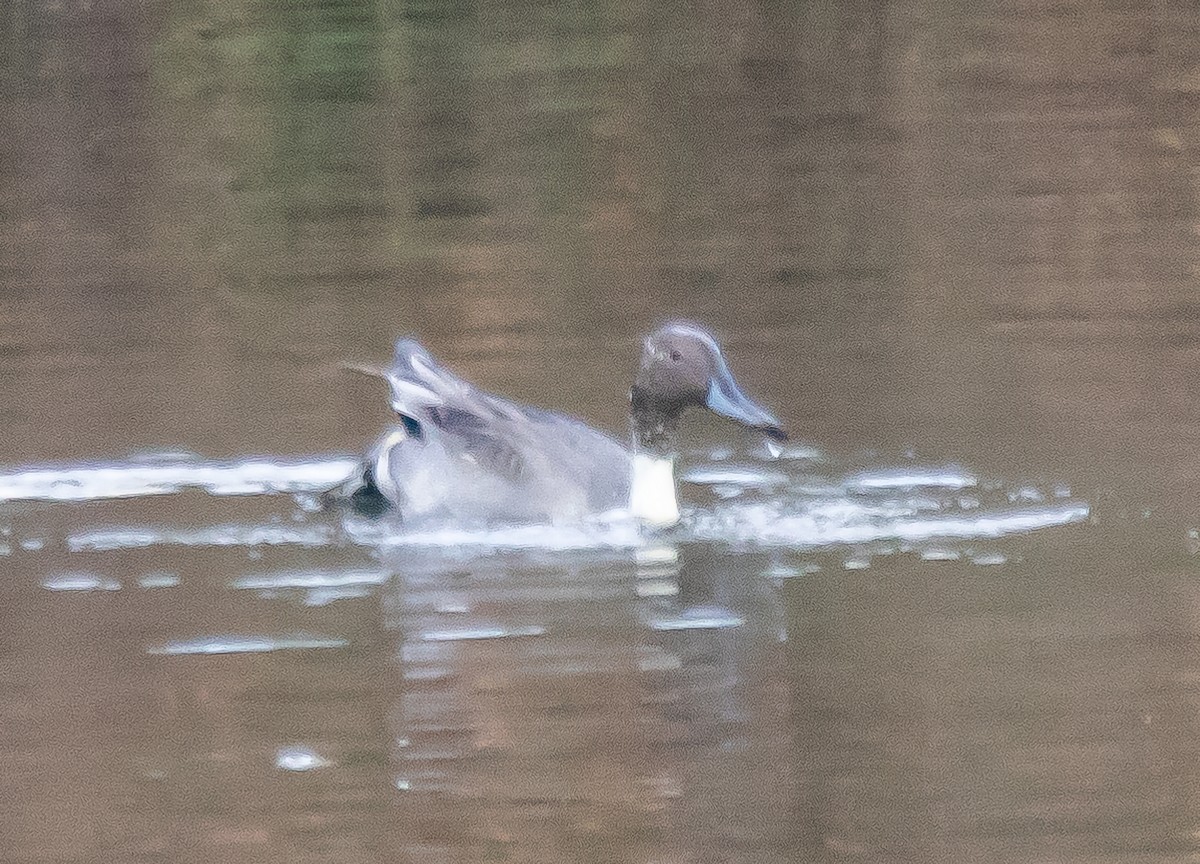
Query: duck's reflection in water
pixel 628 707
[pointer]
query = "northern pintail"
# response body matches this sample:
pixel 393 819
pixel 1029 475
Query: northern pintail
pixel 467 455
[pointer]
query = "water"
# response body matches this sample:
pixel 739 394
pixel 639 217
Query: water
pixel 953 249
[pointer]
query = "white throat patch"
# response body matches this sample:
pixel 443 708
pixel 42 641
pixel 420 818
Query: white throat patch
pixel 652 490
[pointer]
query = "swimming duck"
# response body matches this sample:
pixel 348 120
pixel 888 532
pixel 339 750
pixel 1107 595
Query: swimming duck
pixel 468 455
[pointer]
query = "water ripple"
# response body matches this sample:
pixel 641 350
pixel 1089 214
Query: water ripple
pixel 299 758
pixel 245 644
pixel 761 507
pixel 474 633
pixel 141 537
pixel 701 618
pixel 912 478
pixel 80 582
pixel 310 579
pixel 96 481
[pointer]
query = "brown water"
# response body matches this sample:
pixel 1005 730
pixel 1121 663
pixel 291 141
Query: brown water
pixel 960 236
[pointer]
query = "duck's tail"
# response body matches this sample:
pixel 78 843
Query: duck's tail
pixel 418 382
pixel 360 495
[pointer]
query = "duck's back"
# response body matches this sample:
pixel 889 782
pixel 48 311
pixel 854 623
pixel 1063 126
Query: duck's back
pixel 520 464
pixel 468 455
pixel 575 456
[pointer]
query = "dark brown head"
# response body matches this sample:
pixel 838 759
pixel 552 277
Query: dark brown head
pixel 682 367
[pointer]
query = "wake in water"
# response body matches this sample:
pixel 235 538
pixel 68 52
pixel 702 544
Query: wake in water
pixel 787 502
pixel 462 585
pixel 167 475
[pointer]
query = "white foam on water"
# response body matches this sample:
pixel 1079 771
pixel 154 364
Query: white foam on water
pixel 159 580
pixel 80 582
pixel 830 522
pixel 777 509
pixel 234 534
pixel 913 478
pixel 245 644
pixel 1027 494
pixel 97 481
pixel 310 579
pixel 299 758
pixel 733 476
pixel 839 523
pixel 940 555
pixel 468 634
pixel 785 571
pixel 799 451
pixel 324 596
pixel 698 618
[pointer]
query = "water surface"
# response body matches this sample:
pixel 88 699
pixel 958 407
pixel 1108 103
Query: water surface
pixel 954 248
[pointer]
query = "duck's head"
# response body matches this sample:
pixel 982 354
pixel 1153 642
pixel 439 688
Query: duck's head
pixel 682 367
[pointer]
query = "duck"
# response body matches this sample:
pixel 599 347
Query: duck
pixel 466 455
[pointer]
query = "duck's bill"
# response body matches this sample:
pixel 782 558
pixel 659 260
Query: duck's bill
pixel 728 400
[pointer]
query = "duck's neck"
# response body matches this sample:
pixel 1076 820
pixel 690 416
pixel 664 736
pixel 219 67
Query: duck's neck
pixel 652 494
pixel 652 497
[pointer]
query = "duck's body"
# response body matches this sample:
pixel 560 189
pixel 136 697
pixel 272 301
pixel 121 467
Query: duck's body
pixel 468 456
pixel 499 462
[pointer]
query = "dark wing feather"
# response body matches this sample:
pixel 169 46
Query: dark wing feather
pixel 485 439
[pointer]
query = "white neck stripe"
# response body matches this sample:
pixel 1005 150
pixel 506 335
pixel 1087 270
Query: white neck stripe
pixel 652 497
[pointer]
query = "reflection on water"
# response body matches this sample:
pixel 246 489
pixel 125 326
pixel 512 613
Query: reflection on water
pixel 684 700
pixel 956 247
pixel 535 693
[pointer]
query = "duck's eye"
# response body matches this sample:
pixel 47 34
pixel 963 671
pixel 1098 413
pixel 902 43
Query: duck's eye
pixel 676 356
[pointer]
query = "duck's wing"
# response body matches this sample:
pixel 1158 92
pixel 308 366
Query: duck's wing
pixel 503 437
pixel 579 456
pixel 429 399
pixel 482 437
pixel 522 444
pixel 507 440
